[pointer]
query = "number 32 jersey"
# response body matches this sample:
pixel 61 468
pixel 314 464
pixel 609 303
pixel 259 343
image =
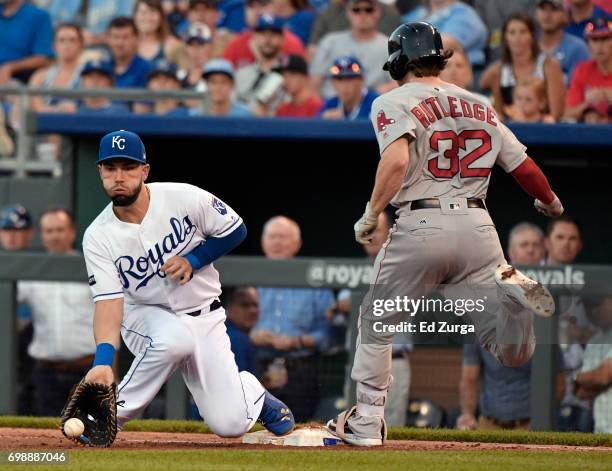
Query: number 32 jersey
pixel 455 139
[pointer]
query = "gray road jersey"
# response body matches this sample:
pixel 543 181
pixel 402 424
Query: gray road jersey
pixel 455 139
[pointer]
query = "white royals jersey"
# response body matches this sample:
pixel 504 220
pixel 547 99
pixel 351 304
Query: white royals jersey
pixel 124 259
pixel 456 138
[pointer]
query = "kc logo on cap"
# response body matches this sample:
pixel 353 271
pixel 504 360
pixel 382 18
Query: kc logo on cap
pixel 122 144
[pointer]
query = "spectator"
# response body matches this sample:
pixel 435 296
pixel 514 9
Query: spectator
pixel 15 228
pixel 458 71
pixel 129 68
pixel 26 38
pixel 98 75
pixel 303 102
pixel 64 73
pixel 597 113
pixel 456 21
pixel 554 41
pixel 206 12
pixel 7 145
pixel 219 77
pixel 353 100
pixel 502 394
pixel 594 382
pixel 242 315
pixel 100 15
pixel 163 77
pixel 526 244
pixel 494 14
pixel 291 327
pixel 258 84
pixel 199 51
pixel 297 16
pixel 592 80
pixel 581 13
pixel 63 345
pixel 521 59
pixel 240 50
pixel 333 18
pixel 530 104
pixel 176 14
pixel 154 39
pixel 362 41
pixel 563 244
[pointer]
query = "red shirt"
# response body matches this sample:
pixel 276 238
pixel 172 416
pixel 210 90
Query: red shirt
pixel 587 75
pixel 307 109
pixel 239 53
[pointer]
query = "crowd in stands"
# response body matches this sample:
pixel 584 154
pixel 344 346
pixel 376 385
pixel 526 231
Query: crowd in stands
pixel 286 335
pixel 536 60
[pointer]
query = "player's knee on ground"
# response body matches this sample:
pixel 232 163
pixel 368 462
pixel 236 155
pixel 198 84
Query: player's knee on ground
pixel 228 422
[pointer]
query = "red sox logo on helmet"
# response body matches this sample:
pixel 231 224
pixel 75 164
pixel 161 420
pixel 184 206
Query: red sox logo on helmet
pixel 382 121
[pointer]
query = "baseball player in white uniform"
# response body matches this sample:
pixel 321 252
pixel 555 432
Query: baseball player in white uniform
pixel 149 259
pixel 438 144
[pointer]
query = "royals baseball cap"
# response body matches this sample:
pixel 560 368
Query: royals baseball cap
pixel 269 23
pixel 556 4
pixel 122 144
pixel 346 67
pixel 163 67
pixel 218 66
pixel 198 33
pixel 15 217
pixel 99 66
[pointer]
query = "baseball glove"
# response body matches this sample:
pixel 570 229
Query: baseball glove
pixel 95 404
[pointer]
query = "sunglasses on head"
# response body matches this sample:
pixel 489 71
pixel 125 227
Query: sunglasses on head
pixel 368 10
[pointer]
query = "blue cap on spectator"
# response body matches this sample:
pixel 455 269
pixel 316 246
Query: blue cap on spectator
pixel 122 145
pixel 15 217
pixel 98 66
pixel 218 66
pixel 269 23
pixel 599 28
pixel 163 67
pixel 557 4
pixel 346 67
pixel 198 32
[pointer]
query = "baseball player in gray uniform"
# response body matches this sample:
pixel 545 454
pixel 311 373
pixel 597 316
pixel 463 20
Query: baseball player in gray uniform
pixel 438 144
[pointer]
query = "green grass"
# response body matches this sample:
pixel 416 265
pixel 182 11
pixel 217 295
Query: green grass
pixel 494 436
pixel 286 460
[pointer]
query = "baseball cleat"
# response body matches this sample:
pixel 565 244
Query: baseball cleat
pixel 341 429
pixel 524 291
pixel 276 416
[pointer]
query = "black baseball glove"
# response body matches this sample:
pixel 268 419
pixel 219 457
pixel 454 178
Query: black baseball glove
pixel 95 404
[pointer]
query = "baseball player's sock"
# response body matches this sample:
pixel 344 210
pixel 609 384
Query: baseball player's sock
pixel 276 416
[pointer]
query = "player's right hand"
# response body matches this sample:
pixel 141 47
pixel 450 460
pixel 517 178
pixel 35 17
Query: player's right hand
pixel 365 227
pixel 467 422
pixel 552 210
pixel 100 374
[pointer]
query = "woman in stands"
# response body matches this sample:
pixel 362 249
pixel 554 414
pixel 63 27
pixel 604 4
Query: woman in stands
pixel 155 41
pixel 522 59
pixel 65 72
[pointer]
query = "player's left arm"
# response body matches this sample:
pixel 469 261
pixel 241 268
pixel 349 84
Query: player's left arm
pixel 224 230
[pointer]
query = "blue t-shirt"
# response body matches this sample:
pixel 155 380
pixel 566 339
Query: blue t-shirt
pixel 242 347
pixel 570 53
pixel 135 76
pixel 577 29
pixel 361 112
pixel 26 33
pixel 300 24
pixel 460 21
pixel 231 15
